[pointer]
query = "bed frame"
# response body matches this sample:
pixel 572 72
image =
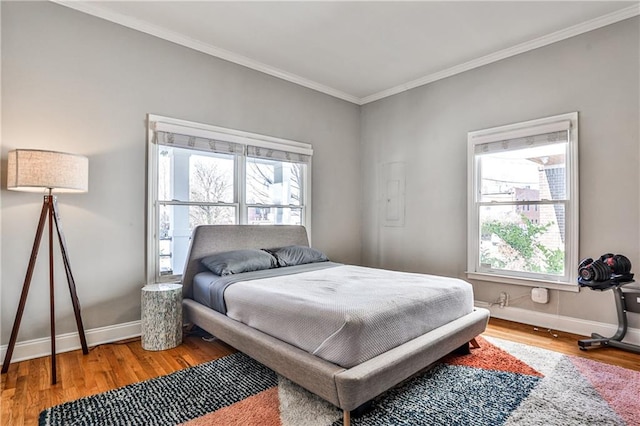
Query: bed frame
pixel 346 388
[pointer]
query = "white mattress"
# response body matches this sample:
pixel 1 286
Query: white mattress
pixel 348 314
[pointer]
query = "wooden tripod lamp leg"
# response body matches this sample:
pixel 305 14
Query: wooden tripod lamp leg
pixel 25 287
pixel 52 305
pixel 72 283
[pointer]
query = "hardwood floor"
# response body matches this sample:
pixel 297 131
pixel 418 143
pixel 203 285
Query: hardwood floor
pixel 560 341
pixel 27 389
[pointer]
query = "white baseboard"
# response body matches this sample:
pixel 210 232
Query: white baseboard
pixel 70 341
pixel 559 322
pixel 37 348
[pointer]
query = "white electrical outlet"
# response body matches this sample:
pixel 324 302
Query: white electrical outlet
pixel 504 299
pixel 540 295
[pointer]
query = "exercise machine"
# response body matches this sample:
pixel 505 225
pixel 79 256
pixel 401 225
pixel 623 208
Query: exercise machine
pixel 627 299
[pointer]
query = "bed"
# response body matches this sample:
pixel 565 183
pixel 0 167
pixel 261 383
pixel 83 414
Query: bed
pixel 348 383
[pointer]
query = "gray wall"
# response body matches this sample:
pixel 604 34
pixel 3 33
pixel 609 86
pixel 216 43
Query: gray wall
pixel 595 74
pixel 75 83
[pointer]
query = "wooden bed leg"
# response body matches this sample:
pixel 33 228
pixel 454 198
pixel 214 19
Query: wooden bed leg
pixel 347 417
pixel 474 343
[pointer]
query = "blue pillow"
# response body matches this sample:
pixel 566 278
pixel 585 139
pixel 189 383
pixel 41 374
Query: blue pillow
pixel 297 255
pixel 238 261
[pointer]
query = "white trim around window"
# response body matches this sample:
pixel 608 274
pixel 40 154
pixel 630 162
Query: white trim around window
pixel 492 193
pixel 235 149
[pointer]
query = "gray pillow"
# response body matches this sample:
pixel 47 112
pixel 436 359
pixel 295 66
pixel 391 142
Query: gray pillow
pixel 238 261
pixel 297 255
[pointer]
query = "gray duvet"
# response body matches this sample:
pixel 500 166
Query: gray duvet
pixel 344 314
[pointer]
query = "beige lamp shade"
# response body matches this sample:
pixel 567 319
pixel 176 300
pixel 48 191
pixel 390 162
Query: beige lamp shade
pixel 33 170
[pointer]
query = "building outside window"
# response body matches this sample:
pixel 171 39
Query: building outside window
pixel 273 189
pixel 201 175
pixel 523 202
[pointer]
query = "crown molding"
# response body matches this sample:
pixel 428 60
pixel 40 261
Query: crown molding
pixel 546 40
pixel 165 34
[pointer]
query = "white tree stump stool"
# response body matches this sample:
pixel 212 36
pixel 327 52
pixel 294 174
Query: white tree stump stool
pixel 161 316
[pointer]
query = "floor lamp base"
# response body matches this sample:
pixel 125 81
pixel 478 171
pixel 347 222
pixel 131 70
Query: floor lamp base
pixel 50 212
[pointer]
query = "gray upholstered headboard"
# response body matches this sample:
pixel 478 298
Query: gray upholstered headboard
pixel 210 239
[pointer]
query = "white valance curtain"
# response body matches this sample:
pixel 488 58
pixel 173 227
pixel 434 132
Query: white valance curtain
pixel 275 154
pixel 177 135
pixel 526 138
pixel 198 143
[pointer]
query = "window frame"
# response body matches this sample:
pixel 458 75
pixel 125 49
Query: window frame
pixel 540 126
pixel 183 127
pixel 248 205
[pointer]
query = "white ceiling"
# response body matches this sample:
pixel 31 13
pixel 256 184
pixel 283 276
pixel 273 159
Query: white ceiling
pixel 365 50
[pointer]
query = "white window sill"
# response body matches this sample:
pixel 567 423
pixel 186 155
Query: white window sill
pixel 530 282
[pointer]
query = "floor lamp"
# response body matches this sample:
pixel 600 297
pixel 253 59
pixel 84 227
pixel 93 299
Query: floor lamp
pixel 34 171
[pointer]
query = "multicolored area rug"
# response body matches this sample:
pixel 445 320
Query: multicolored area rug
pixel 502 383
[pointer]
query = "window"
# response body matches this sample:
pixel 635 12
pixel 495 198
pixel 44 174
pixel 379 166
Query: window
pixel 273 189
pixel 201 174
pixel 523 203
